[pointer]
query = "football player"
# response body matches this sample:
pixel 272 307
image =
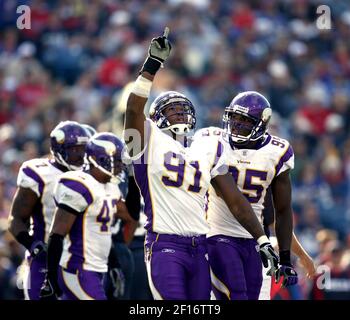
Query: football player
pixel 256 160
pixel 80 237
pixel 117 282
pixel 173 180
pixel 33 204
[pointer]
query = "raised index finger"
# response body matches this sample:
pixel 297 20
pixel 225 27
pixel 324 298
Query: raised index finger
pixel 166 32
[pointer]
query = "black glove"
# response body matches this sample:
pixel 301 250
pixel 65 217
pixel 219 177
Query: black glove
pixel 286 270
pixel 37 248
pixel 118 282
pixel 49 291
pixel 268 254
pixel 158 52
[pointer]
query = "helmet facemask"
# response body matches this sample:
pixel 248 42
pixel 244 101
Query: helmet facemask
pixel 243 128
pixel 107 157
pixel 110 166
pixel 68 141
pixel 164 112
pixel 71 156
pixel 178 122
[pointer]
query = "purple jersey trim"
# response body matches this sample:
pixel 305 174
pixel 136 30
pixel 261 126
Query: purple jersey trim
pixel 37 214
pixel 219 151
pixel 32 174
pixel 286 156
pixel 78 187
pixel 141 178
pixel 263 143
pixel 38 222
pixel 76 237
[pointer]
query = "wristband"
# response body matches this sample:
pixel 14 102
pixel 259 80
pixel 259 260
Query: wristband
pixel 151 65
pixel 263 239
pixel 142 87
pixel 285 257
pixel 25 239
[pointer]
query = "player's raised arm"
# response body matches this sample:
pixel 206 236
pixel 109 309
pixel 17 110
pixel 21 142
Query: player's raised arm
pixel 239 206
pixel 158 52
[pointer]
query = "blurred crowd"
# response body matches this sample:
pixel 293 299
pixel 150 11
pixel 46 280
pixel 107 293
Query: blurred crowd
pixel 79 55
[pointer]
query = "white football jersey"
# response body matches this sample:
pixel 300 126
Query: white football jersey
pixel 173 180
pixel 88 243
pixel 40 175
pixel 253 170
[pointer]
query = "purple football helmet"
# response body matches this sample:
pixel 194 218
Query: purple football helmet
pixel 247 117
pixel 173 99
pixel 106 152
pixel 64 139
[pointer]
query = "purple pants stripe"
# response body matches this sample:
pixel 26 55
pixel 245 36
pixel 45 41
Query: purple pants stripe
pixel 83 285
pixel 237 267
pixel 35 279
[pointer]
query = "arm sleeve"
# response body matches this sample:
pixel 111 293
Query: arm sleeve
pixel 133 199
pixel 54 252
pixel 72 195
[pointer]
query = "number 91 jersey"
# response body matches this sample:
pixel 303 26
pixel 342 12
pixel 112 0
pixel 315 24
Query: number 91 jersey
pixel 174 180
pixel 87 245
pixel 253 171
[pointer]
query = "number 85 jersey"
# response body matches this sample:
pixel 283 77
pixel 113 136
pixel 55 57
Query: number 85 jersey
pixel 253 171
pixel 87 245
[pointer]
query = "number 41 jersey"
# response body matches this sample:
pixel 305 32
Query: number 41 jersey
pixel 253 171
pixel 88 243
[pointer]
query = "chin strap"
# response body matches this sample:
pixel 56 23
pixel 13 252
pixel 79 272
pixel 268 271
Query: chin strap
pixel 246 144
pixel 114 178
pixel 178 129
pixel 64 163
pixel 90 159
